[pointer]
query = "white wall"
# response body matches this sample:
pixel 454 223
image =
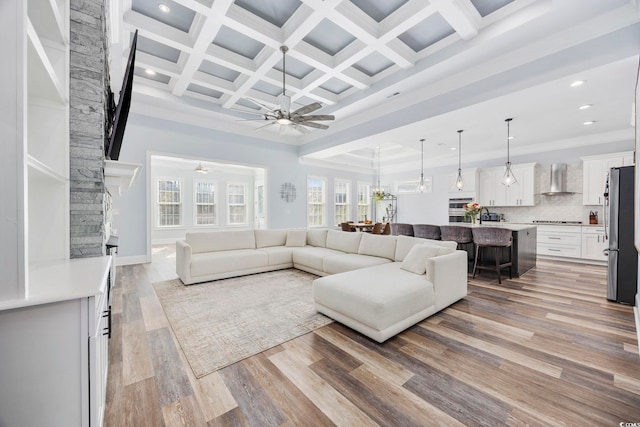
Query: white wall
pixel 145 136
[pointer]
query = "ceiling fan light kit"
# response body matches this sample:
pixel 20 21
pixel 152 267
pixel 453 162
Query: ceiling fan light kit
pixel 509 178
pixel 201 169
pixel 459 180
pixel 283 116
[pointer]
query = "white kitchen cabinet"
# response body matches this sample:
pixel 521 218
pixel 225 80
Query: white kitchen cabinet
pixel 491 191
pixel 54 357
pixel 559 241
pixel 594 243
pixel 36 54
pixel 522 192
pixel 470 178
pixel 595 170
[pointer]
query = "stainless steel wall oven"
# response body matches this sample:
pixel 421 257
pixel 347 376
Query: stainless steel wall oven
pixel 456 209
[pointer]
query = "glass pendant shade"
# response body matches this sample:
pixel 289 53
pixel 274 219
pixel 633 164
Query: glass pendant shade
pixel 421 186
pixel 508 178
pixel 459 180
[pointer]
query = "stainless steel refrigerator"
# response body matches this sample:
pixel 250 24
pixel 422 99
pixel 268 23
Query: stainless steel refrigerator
pixel 623 258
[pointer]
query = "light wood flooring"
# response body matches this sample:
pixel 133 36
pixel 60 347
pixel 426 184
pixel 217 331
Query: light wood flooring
pixel 544 349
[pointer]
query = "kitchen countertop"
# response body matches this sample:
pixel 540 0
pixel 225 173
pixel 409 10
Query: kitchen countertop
pixel 508 225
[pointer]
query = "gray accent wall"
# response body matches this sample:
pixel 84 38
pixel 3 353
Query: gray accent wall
pixel 88 72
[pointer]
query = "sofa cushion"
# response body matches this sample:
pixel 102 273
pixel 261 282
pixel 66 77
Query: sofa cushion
pixel 379 246
pixel 317 237
pixel 278 255
pixel 346 262
pixel 203 264
pixel 378 297
pixel 311 256
pixel 268 238
pixel 221 241
pixel 296 238
pixel 405 243
pixel 416 259
pixel 343 241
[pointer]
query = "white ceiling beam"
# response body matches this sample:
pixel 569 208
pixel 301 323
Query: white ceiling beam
pixel 461 15
pixel 157 31
pixel 206 34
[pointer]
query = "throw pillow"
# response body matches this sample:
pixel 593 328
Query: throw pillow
pixel 296 238
pixel 416 259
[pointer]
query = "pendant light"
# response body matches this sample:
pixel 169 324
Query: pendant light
pixel 508 178
pixel 421 186
pixel 459 181
pixel 201 169
pixel 378 189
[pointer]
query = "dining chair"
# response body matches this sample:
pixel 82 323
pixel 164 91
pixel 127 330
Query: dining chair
pixel 377 228
pixel 346 226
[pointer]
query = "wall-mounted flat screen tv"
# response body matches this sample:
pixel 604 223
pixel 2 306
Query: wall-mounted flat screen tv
pixel 112 148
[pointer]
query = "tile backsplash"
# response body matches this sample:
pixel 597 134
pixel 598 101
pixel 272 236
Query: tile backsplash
pixel 567 207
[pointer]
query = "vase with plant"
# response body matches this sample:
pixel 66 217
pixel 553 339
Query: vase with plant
pixel 471 211
pixel 380 195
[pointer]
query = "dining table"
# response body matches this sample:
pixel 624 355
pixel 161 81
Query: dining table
pixel 362 226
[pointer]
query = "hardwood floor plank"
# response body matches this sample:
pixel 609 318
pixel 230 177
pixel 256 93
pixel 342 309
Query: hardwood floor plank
pixel 253 401
pixel 137 364
pixel 152 313
pixel 170 374
pixel 183 412
pixel 586 324
pixel 333 404
pixel 233 418
pixel 384 367
pixel 137 414
pixel 213 396
pixel 631 384
pixel 288 398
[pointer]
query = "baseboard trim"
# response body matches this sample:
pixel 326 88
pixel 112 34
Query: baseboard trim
pixel 130 260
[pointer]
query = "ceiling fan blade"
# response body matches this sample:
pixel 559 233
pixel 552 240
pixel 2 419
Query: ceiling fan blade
pixel 300 129
pixel 316 117
pixel 315 125
pixel 264 126
pixel 254 112
pixel 307 109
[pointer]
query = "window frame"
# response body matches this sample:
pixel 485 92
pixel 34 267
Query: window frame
pixel 245 186
pixel 323 204
pixel 180 183
pixel 369 205
pixel 215 203
pixel 346 203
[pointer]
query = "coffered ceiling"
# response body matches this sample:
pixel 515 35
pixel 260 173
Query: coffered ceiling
pixel 391 71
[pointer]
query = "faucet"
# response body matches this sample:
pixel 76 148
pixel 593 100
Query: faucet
pixel 484 208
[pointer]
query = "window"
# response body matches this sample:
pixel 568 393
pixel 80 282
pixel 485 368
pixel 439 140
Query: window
pixel 237 203
pixel 364 202
pixel 315 202
pixel 205 200
pixel 342 195
pixel 169 203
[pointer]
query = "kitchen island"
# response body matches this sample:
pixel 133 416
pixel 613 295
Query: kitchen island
pixel 524 246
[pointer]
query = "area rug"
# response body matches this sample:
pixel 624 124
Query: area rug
pixel 222 322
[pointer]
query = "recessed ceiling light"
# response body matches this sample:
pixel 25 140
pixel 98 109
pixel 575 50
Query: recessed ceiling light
pixel 150 72
pixel 511 137
pixel 453 148
pixel 164 8
pixel 589 122
pixel 577 83
pixel 584 107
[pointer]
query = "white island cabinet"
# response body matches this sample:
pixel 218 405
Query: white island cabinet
pixel 54 346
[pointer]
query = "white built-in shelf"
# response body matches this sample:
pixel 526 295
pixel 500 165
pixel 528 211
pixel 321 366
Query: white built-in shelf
pixel 118 176
pixel 37 167
pixel 43 80
pixel 48 17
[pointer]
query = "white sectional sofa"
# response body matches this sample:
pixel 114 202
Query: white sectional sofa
pixel 377 285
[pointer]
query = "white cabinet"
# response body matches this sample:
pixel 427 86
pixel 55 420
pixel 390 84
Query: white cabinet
pixel 593 243
pixel 470 178
pixel 54 348
pixel 36 56
pixel 595 170
pixel 491 191
pixel 559 241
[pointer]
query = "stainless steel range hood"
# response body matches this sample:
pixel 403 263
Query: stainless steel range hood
pixel 558 184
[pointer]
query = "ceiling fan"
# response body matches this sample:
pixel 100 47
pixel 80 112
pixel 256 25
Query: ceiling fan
pixel 291 119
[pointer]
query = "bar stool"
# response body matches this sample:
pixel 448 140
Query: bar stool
pixel 399 229
pixel 426 231
pixel 461 235
pixel 497 238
